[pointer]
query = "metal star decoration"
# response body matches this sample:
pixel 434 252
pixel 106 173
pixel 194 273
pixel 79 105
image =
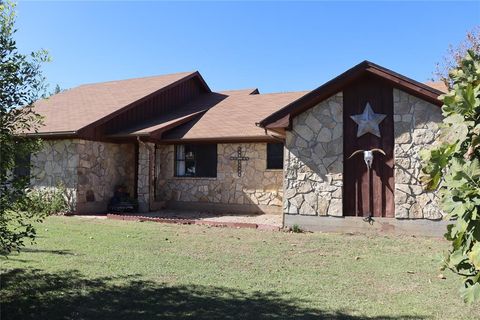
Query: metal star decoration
pixel 368 121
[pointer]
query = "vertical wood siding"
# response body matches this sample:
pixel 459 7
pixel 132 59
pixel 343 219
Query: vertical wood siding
pixel 356 199
pixel 155 106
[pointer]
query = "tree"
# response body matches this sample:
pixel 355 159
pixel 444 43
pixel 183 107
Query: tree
pixel 57 90
pixel 21 83
pixel 455 55
pixel 453 168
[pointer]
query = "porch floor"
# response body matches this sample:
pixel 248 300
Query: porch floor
pixel 272 220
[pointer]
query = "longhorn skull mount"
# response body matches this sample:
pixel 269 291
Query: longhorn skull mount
pixel 368 155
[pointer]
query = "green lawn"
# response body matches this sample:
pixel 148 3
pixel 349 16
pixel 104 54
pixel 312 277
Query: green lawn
pixel 105 269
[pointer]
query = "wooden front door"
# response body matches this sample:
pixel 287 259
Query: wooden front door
pixel 363 194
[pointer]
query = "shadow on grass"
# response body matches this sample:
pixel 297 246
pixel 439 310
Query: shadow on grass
pixel 33 294
pixel 59 252
pixel 12 257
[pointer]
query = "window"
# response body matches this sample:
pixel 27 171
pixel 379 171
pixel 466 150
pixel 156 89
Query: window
pixel 22 166
pixel 196 160
pixel 275 156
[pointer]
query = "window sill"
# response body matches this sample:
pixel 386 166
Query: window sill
pixel 195 178
pixel 273 170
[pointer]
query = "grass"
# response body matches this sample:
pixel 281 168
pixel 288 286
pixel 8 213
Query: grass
pixel 106 269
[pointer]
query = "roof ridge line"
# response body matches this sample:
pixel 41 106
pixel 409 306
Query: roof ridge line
pixel 283 92
pixel 137 78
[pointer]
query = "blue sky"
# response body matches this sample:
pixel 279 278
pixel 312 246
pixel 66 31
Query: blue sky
pixel 275 46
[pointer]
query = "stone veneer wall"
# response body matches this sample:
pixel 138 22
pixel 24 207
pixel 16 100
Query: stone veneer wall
pixel 314 160
pixel 257 186
pixel 84 167
pixel 102 167
pixel 56 164
pixel 416 128
pixel 146 153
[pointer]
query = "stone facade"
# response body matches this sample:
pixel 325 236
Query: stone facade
pixel 256 190
pixel 102 167
pixel 314 160
pixel 146 152
pixel 56 164
pixel 416 128
pixel 89 170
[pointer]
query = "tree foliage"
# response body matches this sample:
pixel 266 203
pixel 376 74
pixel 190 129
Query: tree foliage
pixel 57 90
pixel 453 168
pixel 21 83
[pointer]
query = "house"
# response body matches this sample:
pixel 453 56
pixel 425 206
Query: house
pixel 173 142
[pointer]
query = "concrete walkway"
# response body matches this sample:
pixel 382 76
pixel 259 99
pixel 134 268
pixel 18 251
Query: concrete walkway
pixel 258 221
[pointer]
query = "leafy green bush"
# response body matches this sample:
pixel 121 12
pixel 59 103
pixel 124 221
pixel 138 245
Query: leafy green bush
pixel 33 206
pixel 48 201
pixel 453 168
pixel 296 229
pixel 44 202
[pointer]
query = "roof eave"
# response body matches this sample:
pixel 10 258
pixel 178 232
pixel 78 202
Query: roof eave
pixel 52 134
pixel 230 139
pixel 128 135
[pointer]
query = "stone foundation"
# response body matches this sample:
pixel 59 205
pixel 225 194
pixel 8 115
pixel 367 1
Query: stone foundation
pixel 314 160
pixel 416 128
pixel 257 187
pixel 406 227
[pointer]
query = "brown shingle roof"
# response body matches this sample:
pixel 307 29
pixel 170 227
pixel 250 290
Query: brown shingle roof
pixel 439 85
pixel 234 117
pixel 226 115
pixel 240 91
pixel 78 107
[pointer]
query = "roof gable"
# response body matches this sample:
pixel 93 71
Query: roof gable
pixel 282 118
pixel 166 121
pixel 89 105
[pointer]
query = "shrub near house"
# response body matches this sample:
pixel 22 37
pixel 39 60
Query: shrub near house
pixel 453 167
